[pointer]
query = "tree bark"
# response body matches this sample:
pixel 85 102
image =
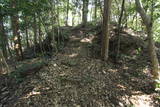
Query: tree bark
pixel 3 64
pixel 85 12
pixel 95 10
pixel 152 52
pixel 106 20
pixel 73 17
pixel 119 29
pixel 35 29
pixel 67 12
pixel 26 31
pixel 3 37
pixel 16 34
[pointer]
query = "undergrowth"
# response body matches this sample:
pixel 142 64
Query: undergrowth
pixel 26 69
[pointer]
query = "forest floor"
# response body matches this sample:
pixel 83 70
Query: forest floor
pixel 75 78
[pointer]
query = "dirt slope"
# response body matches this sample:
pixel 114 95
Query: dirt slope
pixel 74 79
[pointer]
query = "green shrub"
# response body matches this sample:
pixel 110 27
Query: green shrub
pixel 25 69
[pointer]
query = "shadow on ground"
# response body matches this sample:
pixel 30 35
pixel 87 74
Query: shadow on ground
pixel 74 79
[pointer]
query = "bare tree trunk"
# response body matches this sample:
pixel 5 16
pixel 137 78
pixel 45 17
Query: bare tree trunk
pixel 106 20
pixel 85 12
pixel 119 29
pixel 16 34
pixel 35 29
pixel 35 32
pixel 73 17
pixel 3 64
pixel 53 24
pixel 67 12
pixel 9 49
pixel 95 10
pixel 3 38
pixel 26 31
pixel 149 26
pixel 40 36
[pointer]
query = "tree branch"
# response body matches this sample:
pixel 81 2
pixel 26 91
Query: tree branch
pixel 146 18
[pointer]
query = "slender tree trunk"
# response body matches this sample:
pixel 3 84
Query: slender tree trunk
pixel 85 12
pixel 35 29
pixel 3 64
pixel 12 44
pixel 3 37
pixel 91 14
pixel 39 30
pixel 80 15
pixel 58 23
pixel 40 36
pixel 26 31
pixel 152 52
pixel 9 50
pixel 17 38
pixel 119 29
pixel 16 34
pixel 27 40
pixel 73 17
pixel 153 55
pixel 53 24
pixel 67 12
pixel 95 10
pixel 106 20
pixel 35 32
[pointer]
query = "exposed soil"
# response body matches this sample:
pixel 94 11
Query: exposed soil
pixel 76 77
